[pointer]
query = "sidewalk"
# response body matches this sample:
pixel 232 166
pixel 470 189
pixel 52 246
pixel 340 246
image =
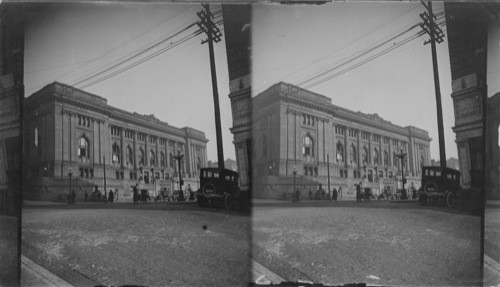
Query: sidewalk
pixel 33 274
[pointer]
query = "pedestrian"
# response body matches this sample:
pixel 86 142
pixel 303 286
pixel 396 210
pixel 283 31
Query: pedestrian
pixel 310 194
pixel 297 195
pixel 334 194
pixel 86 196
pixel 358 193
pixel 111 196
pixel 135 196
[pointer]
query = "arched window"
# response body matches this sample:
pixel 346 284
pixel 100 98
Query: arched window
pixel 152 158
pixel 386 158
pixel 307 148
pixel 162 159
pixel 116 153
pixel 353 155
pixel 364 155
pixel 83 148
pixel 340 152
pixel 141 157
pixel 129 155
pixel 375 157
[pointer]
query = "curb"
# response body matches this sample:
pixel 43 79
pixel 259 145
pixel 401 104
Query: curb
pixel 42 275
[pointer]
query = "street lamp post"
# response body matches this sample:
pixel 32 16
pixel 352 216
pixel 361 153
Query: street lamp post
pixel 403 180
pixel 294 176
pixel 70 174
pixel 179 157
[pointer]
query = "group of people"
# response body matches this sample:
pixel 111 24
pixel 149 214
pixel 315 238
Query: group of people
pixel 97 196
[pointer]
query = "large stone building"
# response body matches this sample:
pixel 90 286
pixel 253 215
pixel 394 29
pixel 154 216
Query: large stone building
pixel 74 137
pixel 298 130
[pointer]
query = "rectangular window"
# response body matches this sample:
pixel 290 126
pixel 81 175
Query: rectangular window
pixel 117 175
pixel 81 172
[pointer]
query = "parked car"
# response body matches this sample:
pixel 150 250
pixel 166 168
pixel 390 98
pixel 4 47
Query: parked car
pixel 440 184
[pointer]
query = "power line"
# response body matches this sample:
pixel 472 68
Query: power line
pixel 147 58
pixel 141 52
pixel 137 54
pixel 357 56
pixel 325 70
pixel 365 61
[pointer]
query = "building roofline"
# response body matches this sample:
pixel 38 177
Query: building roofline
pixel 373 120
pixel 149 121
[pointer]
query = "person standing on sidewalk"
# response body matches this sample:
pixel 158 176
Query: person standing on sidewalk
pixel 358 193
pixel 335 194
pixel 73 197
pixel 86 196
pixel 111 196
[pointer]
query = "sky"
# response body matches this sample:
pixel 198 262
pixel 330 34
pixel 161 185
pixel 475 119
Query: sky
pixel 67 42
pixel 294 43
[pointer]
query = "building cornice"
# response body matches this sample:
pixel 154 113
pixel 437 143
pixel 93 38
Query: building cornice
pixel 67 95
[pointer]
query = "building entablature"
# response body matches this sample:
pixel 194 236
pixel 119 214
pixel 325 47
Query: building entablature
pixel 305 112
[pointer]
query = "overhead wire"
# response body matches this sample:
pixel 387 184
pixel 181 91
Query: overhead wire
pixel 137 53
pixel 365 52
pixel 147 57
pixel 370 32
pixel 356 56
pixel 105 54
pixel 371 58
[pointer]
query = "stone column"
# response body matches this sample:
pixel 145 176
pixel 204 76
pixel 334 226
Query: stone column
pixel 122 148
pixel 146 153
pixel 346 147
pixel 136 151
pixel 370 160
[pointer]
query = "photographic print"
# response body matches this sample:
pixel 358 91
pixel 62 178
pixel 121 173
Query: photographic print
pixel 130 171
pixel 368 143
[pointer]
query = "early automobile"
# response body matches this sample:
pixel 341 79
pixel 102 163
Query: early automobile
pixel 220 186
pixel 440 184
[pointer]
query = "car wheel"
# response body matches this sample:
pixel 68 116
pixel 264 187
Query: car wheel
pixel 450 199
pixel 228 200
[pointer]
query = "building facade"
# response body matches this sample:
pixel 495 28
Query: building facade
pixel 466 31
pixel 237 19
pixel 301 137
pixel 75 138
pixel 11 96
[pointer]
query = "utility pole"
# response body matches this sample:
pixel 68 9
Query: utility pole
pixel 436 35
pixel 179 157
pixel 206 25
